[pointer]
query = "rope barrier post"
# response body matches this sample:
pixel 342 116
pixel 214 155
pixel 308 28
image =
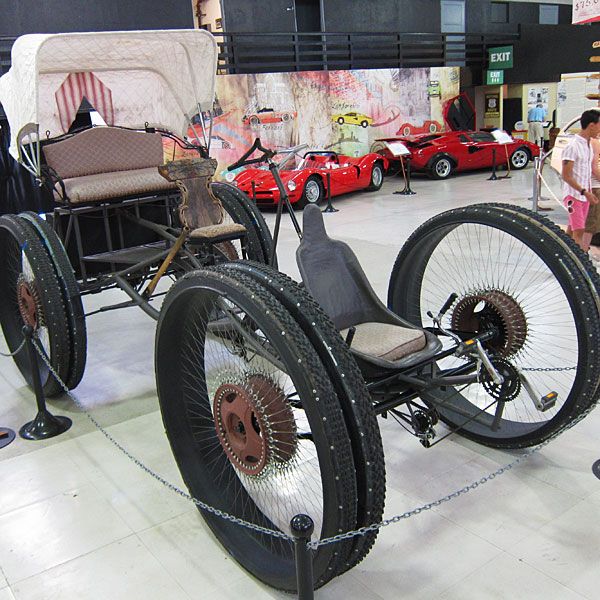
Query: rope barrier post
pixel 407 191
pixel 302 528
pixel 254 191
pixel 493 175
pixel 329 208
pixel 45 425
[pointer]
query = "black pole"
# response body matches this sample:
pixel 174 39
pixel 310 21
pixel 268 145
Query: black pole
pixel 329 208
pixel 254 191
pixel 45 425
pixel 407 191
pixel 493 176
pixel 302 528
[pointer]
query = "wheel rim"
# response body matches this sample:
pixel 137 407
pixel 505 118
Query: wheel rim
pixel 312 191
pixel 341 121
pixel 376 176
pixel 520 159
pixel 482 263
pixel 225 368
pixel 443 167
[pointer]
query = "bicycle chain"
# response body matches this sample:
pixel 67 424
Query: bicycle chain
pixel 336 538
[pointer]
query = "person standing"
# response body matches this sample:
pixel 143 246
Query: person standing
pixel 535 118
pixel 592 222
pixel 577 175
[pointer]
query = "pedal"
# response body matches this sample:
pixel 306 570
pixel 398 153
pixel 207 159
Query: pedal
pixel 547 401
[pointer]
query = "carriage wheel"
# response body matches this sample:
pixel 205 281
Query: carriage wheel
pixel 70 294
pixel 31 295
pixel 254 422
pixel 512 274
pixel 259 226
pixel 355 400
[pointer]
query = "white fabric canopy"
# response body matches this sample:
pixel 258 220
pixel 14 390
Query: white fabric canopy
pixel 153 77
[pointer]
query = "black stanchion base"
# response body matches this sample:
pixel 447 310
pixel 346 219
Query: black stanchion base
pixel 493 177
pixel 596 469
pixel 405 192
pixel 6 436
pixel 329 209
pixel 44 426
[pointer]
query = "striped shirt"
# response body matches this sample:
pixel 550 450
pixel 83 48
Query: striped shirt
pixel 579 151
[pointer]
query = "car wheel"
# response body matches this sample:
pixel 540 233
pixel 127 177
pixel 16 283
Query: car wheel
pixel 254 121
pixel 406 130
pixel 432 128
pixel 364 124
pixel 340 120
pixel 376 177
pixel 519 159
pixel 313 192
pixel 285 117
pixel 441 168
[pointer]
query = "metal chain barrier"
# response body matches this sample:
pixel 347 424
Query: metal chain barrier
pixel 9 354
pixel 341 536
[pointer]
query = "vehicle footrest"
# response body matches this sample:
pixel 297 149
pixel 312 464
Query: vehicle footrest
pixel 548 401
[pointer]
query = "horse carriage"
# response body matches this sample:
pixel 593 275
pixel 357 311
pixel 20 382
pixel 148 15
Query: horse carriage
pixel 270 389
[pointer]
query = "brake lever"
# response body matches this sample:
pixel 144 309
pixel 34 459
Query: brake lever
pixel 243 160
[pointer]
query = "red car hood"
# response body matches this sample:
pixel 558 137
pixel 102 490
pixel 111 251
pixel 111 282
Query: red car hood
pixel 459 113
pixel 262 178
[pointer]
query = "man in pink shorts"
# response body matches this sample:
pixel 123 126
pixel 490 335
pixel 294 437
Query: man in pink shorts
pixel 577 174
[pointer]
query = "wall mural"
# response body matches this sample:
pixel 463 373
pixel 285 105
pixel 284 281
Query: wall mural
pixel 343 111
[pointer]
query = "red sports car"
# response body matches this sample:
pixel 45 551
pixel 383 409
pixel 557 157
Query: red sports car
pixel 440 154
pixel 307 182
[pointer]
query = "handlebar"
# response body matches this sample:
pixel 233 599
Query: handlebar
pixel 243 160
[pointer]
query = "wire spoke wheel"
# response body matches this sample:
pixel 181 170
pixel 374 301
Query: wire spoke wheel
pixel 254 422
pixel 511 276
pixel 31 295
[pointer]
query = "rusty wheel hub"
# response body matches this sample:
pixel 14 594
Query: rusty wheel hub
pixel 493 309
pixel 28 300
pixel 255 424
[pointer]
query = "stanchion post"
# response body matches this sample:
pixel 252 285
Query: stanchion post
pixel 407 191
pixel 493 175
pixel 329 208
pixel 45 425
pixel 254 191
pixel 302 528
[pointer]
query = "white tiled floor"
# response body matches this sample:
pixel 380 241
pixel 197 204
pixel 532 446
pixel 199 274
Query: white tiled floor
pixel 79 520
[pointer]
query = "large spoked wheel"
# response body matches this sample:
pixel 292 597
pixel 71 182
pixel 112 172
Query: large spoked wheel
pixel 312 193
pixel 30 294
pixel 519 159
pixel 523 281
pixel 254 422
pixel 70 295
pixel 237 198
pixel 355 400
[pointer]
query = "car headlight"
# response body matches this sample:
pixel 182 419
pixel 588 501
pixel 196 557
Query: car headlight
pixel 291 185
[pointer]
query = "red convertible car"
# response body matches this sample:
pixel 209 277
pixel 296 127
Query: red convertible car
pixel 307 182
pixel 440 154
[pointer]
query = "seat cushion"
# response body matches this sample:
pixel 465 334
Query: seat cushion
pixel 114 185
pixel 213 231
pixel 389 342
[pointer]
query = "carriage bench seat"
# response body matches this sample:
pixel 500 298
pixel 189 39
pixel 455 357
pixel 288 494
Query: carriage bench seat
pixel 102 163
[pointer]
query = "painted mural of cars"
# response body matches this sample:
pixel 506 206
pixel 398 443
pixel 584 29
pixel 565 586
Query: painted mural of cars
pixel 307 182
pixel 269 115
pixel 352 118
pixel 427 127
pixel 462 148
pixel 434 89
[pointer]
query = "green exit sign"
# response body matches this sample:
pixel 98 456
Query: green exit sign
pixel 501 57
pixel 495 77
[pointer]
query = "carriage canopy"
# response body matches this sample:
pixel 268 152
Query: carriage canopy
pixel 130 77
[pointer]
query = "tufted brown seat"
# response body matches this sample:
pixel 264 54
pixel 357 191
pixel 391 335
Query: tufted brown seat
pixel 106 162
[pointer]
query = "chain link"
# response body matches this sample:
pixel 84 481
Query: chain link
pixel 549 369
pixel 342 536
pixel 9 354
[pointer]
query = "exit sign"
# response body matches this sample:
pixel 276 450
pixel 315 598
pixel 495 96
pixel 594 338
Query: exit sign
pixel 495 77
pixel 501 58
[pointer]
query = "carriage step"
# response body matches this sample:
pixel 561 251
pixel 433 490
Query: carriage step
pixel 132 255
